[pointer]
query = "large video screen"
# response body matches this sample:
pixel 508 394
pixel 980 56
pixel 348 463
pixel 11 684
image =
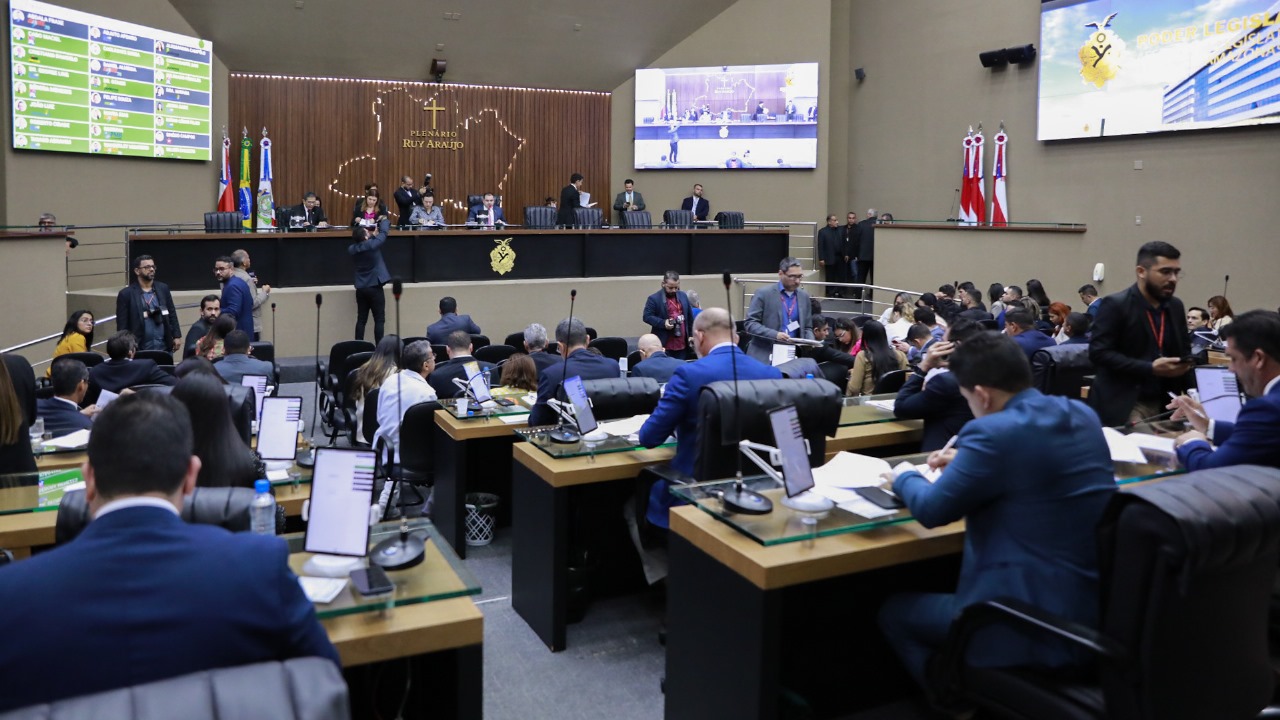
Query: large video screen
pixel 730 117
pixel 1127 67
pixel 89 84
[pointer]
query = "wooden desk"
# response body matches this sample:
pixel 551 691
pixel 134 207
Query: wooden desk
pixel 859 438
pixel 1218 358
pixel 469 454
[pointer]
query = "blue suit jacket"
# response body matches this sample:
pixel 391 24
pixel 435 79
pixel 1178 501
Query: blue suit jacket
pixel 237 301
pixel 438 331
pixel 677 413
pixel 141 595
pixel 371 271
pixel 655 315
pixel 1250 440
pixel 657 366
pixel 498 217
pixel 1033 340
pixel 62 417
pixel 583 363
pixel 1031 483
pixel 938 402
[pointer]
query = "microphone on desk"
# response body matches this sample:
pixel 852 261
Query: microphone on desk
pixel 739 499
pixel 403 550
pixel 315 407
pixel 565 434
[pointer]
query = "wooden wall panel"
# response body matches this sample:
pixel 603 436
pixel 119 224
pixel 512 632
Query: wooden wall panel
pixel 332 136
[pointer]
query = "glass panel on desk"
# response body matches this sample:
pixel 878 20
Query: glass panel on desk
pixel 520 398
pixel 440 576
pixel 866 409
pixel 539 437
pixel 33 492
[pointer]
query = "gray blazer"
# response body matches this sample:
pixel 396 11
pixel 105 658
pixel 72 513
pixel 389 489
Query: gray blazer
pixel 233 368
pixel 637 199
pixel 765 318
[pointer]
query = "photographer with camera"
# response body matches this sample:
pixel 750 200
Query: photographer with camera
pixel 145 308
pixel 670 315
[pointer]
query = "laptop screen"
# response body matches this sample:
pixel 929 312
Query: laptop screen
pixel 581 404
pixel 1219 392
pixel 259 385
pixel 475 382
pixel 278 428
pixel 341 493
pixel 789 439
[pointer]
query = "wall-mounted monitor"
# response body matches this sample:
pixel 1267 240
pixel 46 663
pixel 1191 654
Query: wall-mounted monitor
pixel 84 83
pixel 1129 67
pixel 727 117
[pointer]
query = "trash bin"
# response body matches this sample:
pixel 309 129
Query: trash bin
pixel 481 517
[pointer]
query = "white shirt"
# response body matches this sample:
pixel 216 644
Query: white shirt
pixel 400 391
pixel 135 501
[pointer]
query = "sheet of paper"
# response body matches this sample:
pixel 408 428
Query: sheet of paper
pixel 835 494
pixel 104 399
pixel 850 470
pixel 514 418
pixel 321 589
pixel 79 438
pixel 865 508
pixel 1122 448
pixel 929 473
pixel 1156 443
pixel 886 405
pixel 783 353
pixel 277 475
pixel 625 426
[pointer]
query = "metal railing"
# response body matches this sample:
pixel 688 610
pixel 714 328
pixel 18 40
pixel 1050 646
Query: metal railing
pixel 867 292
pixel 58 335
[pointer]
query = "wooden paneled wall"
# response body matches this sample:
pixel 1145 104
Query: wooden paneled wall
pixel 332 136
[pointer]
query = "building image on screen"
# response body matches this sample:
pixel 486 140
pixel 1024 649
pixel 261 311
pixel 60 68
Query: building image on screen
pixel 731 117
pixel 83 83
pixel 1125 67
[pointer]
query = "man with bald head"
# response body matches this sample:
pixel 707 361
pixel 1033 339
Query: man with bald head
pixel 654 363
pixel 677 411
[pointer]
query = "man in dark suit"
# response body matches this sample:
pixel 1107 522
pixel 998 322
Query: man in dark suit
pixel 535 343
pixel 371 274
pixel 1253 344
pixel 210 308
pixel 169 598
pixel 450 321
pixel 866 247
pixel 779 312
pixel 570 201
pixel 122 371
pixel 654 362
pixel 236 362
pixel 407 197
pixel 833 255
pixel 628 199
pixel 62 414
pixel 670 315
pixel 1019 325
pixel 145 308
pixel 1030 476
pixel 677 411
pixel 852 244
pixel 1139 339
pixel 237 297
pixel 578 360
pixel 696 204
pixel 308 214
pixel 827 352
pixel 458 345
pixel 487 213
pixel 931 392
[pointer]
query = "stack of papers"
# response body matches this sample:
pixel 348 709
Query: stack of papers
pixel 886 405
pixel 1129 448
pixel 782 353
pixel 625 426
pixel 79 438
pixel 321 589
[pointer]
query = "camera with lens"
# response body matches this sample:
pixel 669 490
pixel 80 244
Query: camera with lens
pixel 678 330
pixel 155 313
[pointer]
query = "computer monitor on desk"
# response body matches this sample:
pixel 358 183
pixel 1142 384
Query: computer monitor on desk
pixel 1219 392
pixel 278 428
pixel 341 493
pixel 259 385
pixel 577 395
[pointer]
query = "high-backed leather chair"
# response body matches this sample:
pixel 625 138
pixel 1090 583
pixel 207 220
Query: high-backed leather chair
pixel 636 219
pixel 890 382
pixel 306 688
pixel 614 348
pixel 159 357
pixel 613 398
pixel 817 402
pixel 678 218
pixel 494 353
pixel 244 409
pixel 539 217
pixel 226 507
pixel 90 359
pixel 474 200
pixel 801 368
pixel 1187 566
pixel 516 340
pixel 222 222
pixel 1061 369
pixel 730 219
pixel 590 217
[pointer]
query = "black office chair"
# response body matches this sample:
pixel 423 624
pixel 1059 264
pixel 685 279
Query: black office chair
pixel 370 424
pixel 613 398
pixel 634 219
pixel 244 408
pixel 591 334
pixel 226 507
pixel 479 341
pixel 835 373
pixel 678 218
pixel 90 359
pixel 744 339
pixel 474 200
pixel 441 352
pixel 171 369
pixel 800 368
pixel 159 357
pixel 263 350
pixel 890 382
pixel 614 348
pixel 633 359
pixel 417 450
pixel 539 217
pixel 1061 369
pixel 860 320
pixel 494 353
pixel 406 342
pixel 515 340
pixel 341 416
pixel 1187 566
pixel 816 401
pixel 338 354
pixel 730 220
pixel 222 222
pixel 589 217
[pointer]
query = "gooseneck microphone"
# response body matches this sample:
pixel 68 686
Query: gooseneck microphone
pixel 273 323
pixel 404 550
pixel 1225 280
pixel 565 434
pixel 315 407
pixel 739 499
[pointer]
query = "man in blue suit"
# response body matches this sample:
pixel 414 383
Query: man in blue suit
pixel 62 414
pixel 677 411
pixel 578 360
pixel 168 598
pixel 450 322
pixel 1253 344
pixel 1030 477
pixel 371 274
pixel 670 315
pixel 655 363
pixel 1019 325
pixel 487 213
pixel 237 298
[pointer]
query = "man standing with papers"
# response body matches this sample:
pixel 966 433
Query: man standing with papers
pixel 1030 476
pixel 778 313
pixel 1253 344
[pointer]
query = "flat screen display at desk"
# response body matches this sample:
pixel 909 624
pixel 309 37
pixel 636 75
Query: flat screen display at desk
pixel 1219 393
pixel 577 394
pixel 476 383
pixel 278 428
pixel 789 439
pixel 341 492
pixel 85 83
pixel 259 385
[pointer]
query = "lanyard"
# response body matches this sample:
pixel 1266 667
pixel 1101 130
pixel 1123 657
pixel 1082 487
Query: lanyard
pixel 1158 335
pixel 789 309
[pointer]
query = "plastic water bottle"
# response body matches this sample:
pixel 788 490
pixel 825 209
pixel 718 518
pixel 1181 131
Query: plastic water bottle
pixel 808 376
pixel 262 511
pixel 487 378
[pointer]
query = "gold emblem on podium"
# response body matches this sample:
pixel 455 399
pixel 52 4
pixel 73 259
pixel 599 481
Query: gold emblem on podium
pixel 502 258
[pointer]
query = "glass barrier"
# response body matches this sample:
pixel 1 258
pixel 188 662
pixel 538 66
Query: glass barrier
pixel 867 409
pixel 522 401
pixel 540 438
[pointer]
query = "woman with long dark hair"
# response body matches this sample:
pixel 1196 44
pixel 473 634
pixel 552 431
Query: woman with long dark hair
pixel 876 358
pixel 15 436
pixel 847 337
pixel 1220 313
pixel 1035 291
pixel 225 461
pixel 209 347
pixel 77 336
pixel 384 363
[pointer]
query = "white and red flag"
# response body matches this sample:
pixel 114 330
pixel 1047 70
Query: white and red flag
pixel 976 177
pixel 967 214
pixel 999 172
pixel 226 195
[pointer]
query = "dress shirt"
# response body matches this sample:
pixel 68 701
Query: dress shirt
pixel 399 393
pixel 136 501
